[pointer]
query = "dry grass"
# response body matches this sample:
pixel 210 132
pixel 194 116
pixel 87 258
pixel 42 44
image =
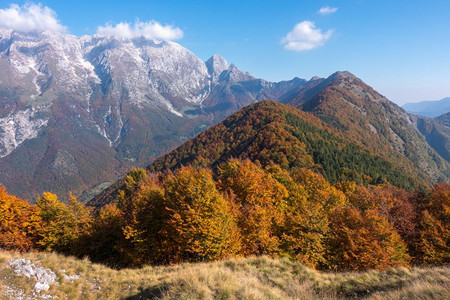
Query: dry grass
pixel 250 278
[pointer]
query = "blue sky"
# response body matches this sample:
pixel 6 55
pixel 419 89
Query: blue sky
pixel 401 48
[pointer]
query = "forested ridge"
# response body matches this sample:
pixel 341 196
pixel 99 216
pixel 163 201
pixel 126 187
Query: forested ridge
pixel 270 132
pixel 273 133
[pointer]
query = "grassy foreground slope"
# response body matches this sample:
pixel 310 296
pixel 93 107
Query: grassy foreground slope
pixel 250 278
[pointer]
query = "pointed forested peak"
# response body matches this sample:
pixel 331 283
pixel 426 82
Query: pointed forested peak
pixel 369 118
pixel 216 64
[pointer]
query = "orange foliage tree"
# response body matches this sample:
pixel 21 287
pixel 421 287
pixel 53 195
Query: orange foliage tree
pixel 389 202
pixel 305 227
pixel 361 240
pixel 364 234
pixel 19 222
pixel 260 201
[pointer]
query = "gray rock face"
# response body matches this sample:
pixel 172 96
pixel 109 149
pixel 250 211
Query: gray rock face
pixel 216 64
pixel 17 127
pixel 37 68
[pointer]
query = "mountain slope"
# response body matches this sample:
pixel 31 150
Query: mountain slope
pixel 274 133
pixel 75 112
pixel 430 109
pixel 271 132
pixel 436 132
pixel 372 121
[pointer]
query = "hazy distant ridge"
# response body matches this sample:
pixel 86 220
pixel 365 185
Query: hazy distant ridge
pixel 429 109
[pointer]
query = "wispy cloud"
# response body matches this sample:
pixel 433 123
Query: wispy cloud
pixel 326 10
pixel 305 36
pixel 30 17
pixel 150 29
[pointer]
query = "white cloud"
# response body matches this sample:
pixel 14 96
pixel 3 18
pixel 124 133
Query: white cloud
pixel 30 17
pixel 326 10
pixel 151 29
pixel 305 36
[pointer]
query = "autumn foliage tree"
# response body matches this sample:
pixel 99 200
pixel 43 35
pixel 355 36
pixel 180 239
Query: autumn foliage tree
pixel 361 240
pixel 319 190
pixel 305 225
pixel 147 229
pixel 19 222
pixel 260 201
pixel 172 218
pixel 62 225
pixel 433 244
pixel 107 243
pixel 201 223
pixel 363 233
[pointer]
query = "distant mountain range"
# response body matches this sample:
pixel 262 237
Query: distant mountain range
pixel 78 112
pixel 430 109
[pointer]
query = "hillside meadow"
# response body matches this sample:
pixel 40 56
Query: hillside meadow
pixel 242 278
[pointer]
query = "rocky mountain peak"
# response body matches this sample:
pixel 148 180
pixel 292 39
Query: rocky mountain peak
pixel 216 64
pixel 234 74
pixel 342 75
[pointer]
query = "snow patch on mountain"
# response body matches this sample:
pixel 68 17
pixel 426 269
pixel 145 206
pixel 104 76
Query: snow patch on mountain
pixel 18 127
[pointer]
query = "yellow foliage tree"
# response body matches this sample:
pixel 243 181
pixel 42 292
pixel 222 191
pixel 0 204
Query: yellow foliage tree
pixel 62 225
pixel 305 228
pixel 147 228
pixel 319 190
pixel 200 224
